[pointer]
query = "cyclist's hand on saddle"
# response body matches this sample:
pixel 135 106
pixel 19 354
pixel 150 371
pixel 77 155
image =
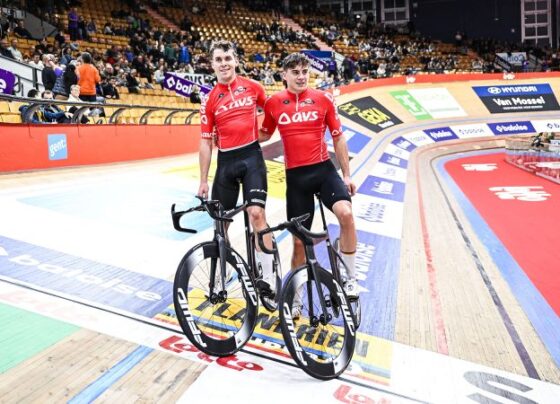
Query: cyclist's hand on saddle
pixel 203 190
pixel 350 185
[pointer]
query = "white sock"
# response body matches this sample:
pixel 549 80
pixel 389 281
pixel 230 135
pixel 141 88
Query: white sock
pixel 266 261
pixel 350 261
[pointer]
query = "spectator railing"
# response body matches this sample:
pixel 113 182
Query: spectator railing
pixel 82 108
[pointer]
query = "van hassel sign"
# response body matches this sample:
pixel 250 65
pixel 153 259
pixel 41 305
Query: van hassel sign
pixel 369 113
pixel 517 98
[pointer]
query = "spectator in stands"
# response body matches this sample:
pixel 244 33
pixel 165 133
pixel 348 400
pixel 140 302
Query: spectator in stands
pixel 48 75
pixel 82 30
pixel 109 89
pixel 21 31
pixel 41 47
pixel 88 77
pixel 52 113
pixel 15 51
pixel 60 38
pixel 37 115
pixel 195 95
pixel 4 50
pixel 58 89
pixel 108 29
pixel 73 19
pixel 36 61
pixel 70 77
pixel 132 82
pixel 75 96
pixel 91 27
pixel 159 75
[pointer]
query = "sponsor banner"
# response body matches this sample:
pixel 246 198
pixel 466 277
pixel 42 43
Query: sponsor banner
pixel 392 160
pixel 511 128
pixel 389 172
pixel 441 134
pixel 369 113
pixel 403 143
pixel 418 138
pixel 317 63
pixel 7 81
pixel 437 102
pixel 378 215
pixel 460 381
pixel 377 268
pixel 58 147
pixel 411 104
pixel 199 79
pixel 356 141
pixel 83 278
pixel 472 130
pixel 517 98
pixel 382 188
pixel 546 125
pixel 513 58
pixel 182 86
pixel 397 151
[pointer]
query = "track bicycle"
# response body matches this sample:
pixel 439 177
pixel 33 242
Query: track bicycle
pixel 322 341
pixel 214 291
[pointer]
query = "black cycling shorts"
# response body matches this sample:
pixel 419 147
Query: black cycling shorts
pixel 240 166
pixel 304 182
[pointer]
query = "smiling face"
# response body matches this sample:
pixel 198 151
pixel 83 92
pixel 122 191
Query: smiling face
pixel 297 78
pixel 224 64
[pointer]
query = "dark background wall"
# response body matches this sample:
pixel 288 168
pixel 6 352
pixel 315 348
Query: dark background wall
pixel 440 19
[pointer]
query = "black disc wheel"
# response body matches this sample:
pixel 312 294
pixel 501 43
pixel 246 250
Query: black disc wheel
pixel 321 343
pixel 217 318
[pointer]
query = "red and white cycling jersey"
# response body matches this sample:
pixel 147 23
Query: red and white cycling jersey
pixel 230 111
pixel 302 120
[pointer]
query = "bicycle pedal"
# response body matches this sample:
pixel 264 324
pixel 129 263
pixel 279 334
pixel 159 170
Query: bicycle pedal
pixel 264 288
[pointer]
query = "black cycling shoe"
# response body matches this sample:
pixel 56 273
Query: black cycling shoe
pixel 265 289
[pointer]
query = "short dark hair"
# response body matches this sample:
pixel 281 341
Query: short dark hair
pixel 295 59
pixel 32 93
pixel 223 45
pixel 86 57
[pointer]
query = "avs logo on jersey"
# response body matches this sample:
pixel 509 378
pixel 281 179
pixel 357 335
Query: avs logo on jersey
pixel 286 102
pixel 221 95
pixel 239 90
pixel 286 119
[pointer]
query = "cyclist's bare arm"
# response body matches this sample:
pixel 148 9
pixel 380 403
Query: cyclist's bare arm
pixel 204 158
pixel 341 152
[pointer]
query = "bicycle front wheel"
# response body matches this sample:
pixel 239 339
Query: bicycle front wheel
pixel 221 322
pixel 322 344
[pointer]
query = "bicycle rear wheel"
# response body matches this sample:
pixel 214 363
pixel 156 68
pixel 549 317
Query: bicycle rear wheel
pixel 323 351
pixel 222 322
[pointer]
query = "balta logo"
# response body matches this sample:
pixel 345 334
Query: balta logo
pixel 286 119
pixel 512 128
pixel 306 102
pixel 239 90
pixel 243 102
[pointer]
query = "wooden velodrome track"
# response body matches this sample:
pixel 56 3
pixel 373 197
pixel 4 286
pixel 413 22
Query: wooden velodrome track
pixel 64 345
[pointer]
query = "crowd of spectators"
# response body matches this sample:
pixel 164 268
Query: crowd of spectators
pixel 381 51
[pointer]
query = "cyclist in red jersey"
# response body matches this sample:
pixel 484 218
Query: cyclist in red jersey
pixel 229 118
pixel 302 115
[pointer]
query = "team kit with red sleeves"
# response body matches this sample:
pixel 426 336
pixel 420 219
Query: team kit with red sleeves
pixel 229 113
pixel 302 120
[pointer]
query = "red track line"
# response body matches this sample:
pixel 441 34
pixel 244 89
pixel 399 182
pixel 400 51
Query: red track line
pixel 441 337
